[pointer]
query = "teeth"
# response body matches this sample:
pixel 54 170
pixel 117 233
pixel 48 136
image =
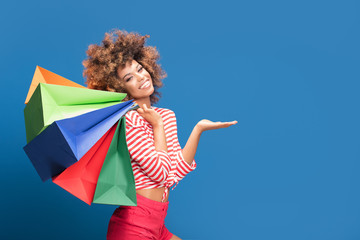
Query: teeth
pixel 146 84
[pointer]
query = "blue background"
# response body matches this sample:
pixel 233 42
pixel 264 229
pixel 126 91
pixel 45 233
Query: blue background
pixel 287 71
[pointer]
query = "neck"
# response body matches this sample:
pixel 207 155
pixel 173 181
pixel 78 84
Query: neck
pixel 142 101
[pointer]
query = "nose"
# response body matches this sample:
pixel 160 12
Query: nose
pixel 140 76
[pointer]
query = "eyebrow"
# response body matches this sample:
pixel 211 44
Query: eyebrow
pixel 129 73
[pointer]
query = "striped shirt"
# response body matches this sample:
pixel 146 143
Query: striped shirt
pixel 152 168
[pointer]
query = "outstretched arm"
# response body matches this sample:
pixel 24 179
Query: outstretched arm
pixel 191 145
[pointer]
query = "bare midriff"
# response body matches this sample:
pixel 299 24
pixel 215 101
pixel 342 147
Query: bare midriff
pixel 155 194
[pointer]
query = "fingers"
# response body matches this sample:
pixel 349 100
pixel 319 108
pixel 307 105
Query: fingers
pixel 226 124
pixel 231 123
pixel 145 107
pixel 140 110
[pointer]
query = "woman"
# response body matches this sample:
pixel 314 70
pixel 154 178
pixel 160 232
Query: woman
pixel 123 64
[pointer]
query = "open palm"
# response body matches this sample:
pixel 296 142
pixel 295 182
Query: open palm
pixel 205 124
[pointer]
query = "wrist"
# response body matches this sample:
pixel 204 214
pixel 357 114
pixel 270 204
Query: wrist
pixel 159 124
pixel 197 129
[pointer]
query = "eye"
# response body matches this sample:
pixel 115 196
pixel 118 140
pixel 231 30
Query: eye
pixel 140 69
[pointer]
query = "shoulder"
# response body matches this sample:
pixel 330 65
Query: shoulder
pixel 133 118
pixel 164 112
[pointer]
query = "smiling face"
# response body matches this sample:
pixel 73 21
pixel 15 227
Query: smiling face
pixel 136 80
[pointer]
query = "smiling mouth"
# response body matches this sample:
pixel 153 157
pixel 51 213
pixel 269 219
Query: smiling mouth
pixel 146 84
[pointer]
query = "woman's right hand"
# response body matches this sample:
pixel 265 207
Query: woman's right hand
pixel 150 115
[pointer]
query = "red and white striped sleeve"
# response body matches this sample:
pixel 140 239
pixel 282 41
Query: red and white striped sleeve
pixel 155 164
pixel 182 167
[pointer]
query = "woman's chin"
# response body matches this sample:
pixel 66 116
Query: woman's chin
pixel 143 96
pixel 149 92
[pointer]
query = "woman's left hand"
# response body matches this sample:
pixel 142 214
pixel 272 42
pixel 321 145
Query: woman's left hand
pixel 205 125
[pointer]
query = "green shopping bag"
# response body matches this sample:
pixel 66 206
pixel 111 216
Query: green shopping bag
pixel 116 183
pixel 50 103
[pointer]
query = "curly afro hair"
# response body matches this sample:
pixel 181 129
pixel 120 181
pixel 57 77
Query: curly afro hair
pixel 117 48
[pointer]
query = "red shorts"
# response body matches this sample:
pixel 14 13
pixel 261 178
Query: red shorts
pixel 144 221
